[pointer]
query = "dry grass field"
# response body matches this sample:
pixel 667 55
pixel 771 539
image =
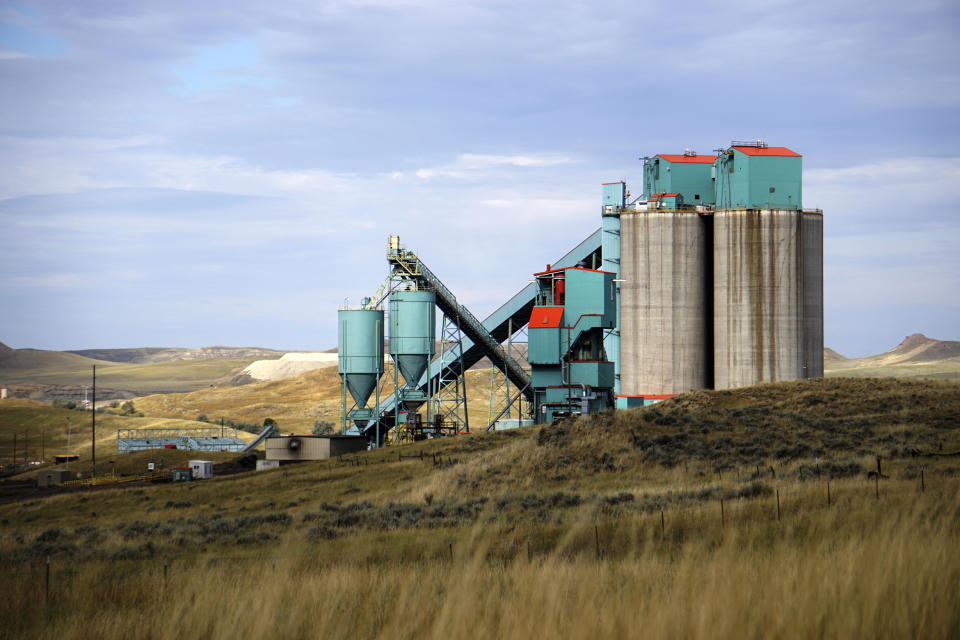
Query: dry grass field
pixel 748 514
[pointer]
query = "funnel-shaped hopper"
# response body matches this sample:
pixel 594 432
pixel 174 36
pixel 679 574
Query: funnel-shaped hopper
pixel 360 386
pixel 413 331
pixel 411 367
pixel 360 345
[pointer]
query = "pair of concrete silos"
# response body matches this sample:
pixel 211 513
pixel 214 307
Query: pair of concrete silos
pixel 719 299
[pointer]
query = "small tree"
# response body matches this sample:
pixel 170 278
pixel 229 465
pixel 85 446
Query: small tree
pixel 322 427
pixel 268 423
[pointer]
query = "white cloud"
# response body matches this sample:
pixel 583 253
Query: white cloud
pixel 475 166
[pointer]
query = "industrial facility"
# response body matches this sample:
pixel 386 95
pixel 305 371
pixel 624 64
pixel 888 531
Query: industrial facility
pixel 712 278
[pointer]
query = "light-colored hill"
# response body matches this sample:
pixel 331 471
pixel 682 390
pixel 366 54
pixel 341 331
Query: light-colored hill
pixel 289 365
pixel 165 354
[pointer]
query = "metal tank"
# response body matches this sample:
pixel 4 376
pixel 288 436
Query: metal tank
pixel 759 302
pixel 812 294
pixel 413 332
pixel 360 361
pixel 664 304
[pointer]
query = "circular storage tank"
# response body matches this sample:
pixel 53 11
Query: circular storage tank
pixel 664 306
pixel 360 361
pixel 759 304
pixel 413 330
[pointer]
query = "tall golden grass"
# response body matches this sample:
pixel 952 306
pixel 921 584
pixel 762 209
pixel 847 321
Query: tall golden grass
pixel 861 567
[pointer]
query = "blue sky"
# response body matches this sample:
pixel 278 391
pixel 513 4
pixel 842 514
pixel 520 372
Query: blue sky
pixel 181 176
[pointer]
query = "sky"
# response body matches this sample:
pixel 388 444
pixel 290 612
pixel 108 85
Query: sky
pixel 186 174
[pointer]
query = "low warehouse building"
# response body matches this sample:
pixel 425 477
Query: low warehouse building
pixel 299 448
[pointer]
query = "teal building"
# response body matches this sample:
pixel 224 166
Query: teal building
pixel 757 176
pixel 569 369
pixel 687 174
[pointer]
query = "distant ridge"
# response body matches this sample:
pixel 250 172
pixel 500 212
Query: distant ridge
pixel 830 356
pixel 917 356
pixel 169 354
pixel 4 348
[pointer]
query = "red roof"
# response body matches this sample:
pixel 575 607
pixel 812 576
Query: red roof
pixel 657 196
pixel 687 159
pixel 545 317
pixel 768 151
pixel 559 269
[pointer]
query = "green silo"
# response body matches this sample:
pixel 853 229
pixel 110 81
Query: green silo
pixel 413 331
pixel 360 351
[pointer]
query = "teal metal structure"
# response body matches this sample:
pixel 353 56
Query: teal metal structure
pixel 570 371
pixel 753 175
pixel 613 197
pixel 480 339
pixel 360 361
pixel 688 174
pixel 210 438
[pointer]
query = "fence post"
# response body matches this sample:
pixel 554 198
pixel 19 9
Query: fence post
pixel 46 590
pixel 451 549
pixel 923 486
pixel 723 519
pixel 596 533
pixel 663 529
pixel 778 504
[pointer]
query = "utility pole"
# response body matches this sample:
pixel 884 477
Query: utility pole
pixel 14 448
pixel 93 424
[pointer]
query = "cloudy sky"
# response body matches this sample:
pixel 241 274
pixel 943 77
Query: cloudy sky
pixel 182 176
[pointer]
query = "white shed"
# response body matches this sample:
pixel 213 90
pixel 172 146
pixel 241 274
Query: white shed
pixel 201 469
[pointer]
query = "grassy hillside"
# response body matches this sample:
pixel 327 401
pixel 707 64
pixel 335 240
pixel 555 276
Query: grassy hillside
pixel 295 403
pixel 594 527
pixel 42 427
pixel 30 366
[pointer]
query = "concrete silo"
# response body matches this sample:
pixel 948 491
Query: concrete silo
pixel 664 302
pixel 812 294
pixel 767 270
pixel 758 296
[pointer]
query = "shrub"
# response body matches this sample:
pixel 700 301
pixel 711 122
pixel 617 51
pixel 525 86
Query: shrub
pixel 64 403
pixel 322 427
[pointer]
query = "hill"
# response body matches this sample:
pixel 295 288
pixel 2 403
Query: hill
pixel 917 356
pixel 68 372
pixel 166 354
pixel 738 500
pixel 42 429
pixel 295 403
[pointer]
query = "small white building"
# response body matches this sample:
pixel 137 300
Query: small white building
pixel 201 469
